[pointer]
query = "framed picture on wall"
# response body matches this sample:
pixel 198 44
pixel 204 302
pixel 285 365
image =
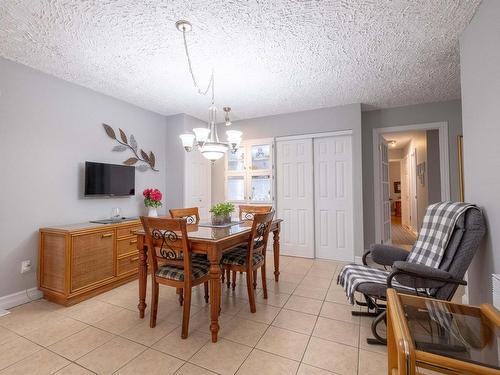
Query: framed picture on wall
pixel 397 187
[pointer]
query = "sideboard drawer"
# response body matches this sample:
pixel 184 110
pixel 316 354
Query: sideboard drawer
pixel 128 231
pixel 126 245
pixel 128 264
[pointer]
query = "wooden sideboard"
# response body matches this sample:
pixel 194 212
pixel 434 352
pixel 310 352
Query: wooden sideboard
pixel 79 261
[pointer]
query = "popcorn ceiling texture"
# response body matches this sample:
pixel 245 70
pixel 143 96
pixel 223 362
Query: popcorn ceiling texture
pixel 270 56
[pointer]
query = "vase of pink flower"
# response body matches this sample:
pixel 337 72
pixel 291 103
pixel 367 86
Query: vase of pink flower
pixel 152 200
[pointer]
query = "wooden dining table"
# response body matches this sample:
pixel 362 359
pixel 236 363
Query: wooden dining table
pixel 212 241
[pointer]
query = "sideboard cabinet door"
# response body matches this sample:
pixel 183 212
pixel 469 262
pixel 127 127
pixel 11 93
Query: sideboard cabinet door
pixel 91 259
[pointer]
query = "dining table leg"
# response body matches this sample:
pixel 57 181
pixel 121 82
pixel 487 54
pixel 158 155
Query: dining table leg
pixel 276 251
pixel 215 294
pixel 143 274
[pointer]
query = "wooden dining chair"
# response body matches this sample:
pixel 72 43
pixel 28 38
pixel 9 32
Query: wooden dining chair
pixel 249 258
pixel 247 212
pixel 191 214
pixel 173 264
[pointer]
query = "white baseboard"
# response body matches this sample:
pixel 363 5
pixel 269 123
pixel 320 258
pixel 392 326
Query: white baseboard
pixel 19 298
pixel 358 260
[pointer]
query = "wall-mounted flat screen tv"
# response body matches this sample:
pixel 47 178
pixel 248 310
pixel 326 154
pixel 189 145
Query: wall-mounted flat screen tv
pixel 109 180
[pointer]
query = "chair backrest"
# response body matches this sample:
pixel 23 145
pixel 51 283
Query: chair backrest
pixel 247 212
pixel 261 227
pixel 168 243
pixel 191 214
pixel 463 245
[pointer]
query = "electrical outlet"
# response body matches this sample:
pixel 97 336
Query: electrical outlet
pixel 25 266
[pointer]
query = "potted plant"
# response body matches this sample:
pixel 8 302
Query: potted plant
pixel 152 200
pixel 221 213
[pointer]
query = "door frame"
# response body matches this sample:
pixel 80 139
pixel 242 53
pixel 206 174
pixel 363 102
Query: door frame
pixel 444 163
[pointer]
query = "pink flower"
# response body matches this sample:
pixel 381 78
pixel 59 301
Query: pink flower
pixel 156 195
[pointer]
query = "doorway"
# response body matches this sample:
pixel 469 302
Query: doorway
pixel 413 175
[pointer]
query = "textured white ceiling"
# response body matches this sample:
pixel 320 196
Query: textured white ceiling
pixel 270 56
pixel 401 138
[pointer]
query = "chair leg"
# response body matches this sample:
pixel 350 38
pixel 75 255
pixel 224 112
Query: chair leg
pixel 154 302
pixel 264 284
pixel 255 279
pixel 228 272
pixel 233 283
pixel 185 312
pixel 251 293
pixel 378 340
pixel 205 285
pixel 181 298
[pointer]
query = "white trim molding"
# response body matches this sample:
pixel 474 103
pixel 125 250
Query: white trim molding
pixel 444 157
pixel 19 298
pixel 314 135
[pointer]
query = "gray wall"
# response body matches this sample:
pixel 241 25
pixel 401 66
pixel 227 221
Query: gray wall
pixel 48 129
pixel 415 114
pixel 306 122
pixel 433 167
pixel 480 74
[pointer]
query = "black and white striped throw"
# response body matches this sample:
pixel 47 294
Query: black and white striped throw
pixel 354 274
pixel 437 228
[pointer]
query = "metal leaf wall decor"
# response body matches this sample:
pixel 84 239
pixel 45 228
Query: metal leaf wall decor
pixel 129 143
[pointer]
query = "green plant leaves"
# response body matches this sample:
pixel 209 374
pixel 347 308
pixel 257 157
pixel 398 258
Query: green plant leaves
pixel 223 208
pixel 109 131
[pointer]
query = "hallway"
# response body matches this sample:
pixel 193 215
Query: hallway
pixel 401 237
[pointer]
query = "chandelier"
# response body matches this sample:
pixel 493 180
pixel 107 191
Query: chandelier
pixel 206 140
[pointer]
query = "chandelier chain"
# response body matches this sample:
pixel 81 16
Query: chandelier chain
pixel 211 82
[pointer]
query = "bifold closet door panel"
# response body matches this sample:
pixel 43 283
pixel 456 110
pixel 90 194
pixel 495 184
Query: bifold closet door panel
pixel 295 196
pixel 333 198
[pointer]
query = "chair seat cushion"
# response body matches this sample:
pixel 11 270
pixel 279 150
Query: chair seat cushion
pixel 199 264
pixel 238 257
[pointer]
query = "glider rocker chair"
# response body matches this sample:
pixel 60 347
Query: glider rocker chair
pixel 419 272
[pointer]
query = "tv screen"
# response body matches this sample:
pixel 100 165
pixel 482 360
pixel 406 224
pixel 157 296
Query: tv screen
pixel 109 179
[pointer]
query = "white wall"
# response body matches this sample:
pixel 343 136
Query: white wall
pixel 480 74
pixel 306 122
pixel 48 129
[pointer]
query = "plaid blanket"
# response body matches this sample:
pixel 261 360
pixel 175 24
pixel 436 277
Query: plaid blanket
pixel 436 231
pixel 353 275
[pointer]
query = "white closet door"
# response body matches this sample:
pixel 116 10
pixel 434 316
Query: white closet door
pixel 198 181
pixel 333 198
pixel 294 173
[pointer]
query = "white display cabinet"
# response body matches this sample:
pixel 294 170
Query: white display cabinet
pixel 250 173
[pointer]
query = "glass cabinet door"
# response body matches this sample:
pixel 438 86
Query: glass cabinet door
pixel 235 188
pixel 260 189
pixel 261 157
pixel 236 161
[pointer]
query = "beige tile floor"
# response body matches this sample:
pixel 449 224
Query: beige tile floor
pixel 304 327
